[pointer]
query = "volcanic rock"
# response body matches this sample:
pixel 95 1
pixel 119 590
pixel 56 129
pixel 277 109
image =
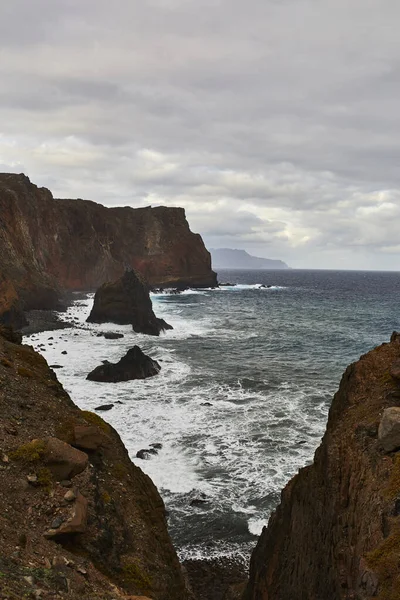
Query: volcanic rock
pixel 395 369
pixel 389 429
pixel 134 365
pixel 63 460
pixel 124 550
pixel 89 437
pixel 48 246
pixel 76 523
pixel 126 302
pixel 335 534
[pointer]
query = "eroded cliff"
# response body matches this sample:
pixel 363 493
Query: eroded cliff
pixel 49 245
pixel 78 519
pixel 336 533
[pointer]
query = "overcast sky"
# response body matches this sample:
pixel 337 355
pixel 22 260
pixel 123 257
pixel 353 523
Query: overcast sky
pixel 274 123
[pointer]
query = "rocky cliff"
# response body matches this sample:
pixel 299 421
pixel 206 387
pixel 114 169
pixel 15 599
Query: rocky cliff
pixel 78 519
pixel 49 245
pixel 336 533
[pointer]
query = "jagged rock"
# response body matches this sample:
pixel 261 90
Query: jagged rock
pixel 126 302
pixel 126 524
pixel 389 429
pixel 334 535
pixel 75 524
pixel 88 437
pixel 134 365
pixel 63 460
pixel 47 245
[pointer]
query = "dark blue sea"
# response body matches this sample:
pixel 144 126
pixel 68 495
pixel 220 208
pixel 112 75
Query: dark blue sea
pixel 241 403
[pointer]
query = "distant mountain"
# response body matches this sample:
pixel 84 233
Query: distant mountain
pixel 229 258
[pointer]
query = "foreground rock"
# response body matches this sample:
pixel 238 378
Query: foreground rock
pixel 100 535
pixel 127 302
pixel 134 365
pixel 335 534
pixel 48 246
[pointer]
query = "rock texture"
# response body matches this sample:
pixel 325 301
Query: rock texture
pixel 49 245
pixel 389 429
pixel 126 302
pixel 134 365
pixel 102 533
pixel 336 533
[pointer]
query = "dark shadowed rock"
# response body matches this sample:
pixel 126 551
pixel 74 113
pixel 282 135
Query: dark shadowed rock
pixel 104 407
pixel 113 335
pixel 127 302
pixel 134 365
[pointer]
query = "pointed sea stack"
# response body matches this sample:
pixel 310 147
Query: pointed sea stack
pixel 127 302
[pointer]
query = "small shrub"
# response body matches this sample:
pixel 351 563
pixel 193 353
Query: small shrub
pixel 29 453
pixel 133 575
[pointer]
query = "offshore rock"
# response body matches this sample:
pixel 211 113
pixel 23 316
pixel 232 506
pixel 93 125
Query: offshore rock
pixel 126 302
pixel 112 541
pixel 134 365
pixel 48 246
pixel 336 532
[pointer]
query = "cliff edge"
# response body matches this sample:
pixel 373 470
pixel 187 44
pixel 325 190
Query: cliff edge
pixel 78 519
pixel 49 245
pixel 336 533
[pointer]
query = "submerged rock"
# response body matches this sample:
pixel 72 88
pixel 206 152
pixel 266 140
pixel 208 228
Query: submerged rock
pixel 134 365
pixel 127 302
pixel 113 335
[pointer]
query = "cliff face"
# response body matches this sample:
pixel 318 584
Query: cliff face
pixel 47 245
pixel 77 519
pixel 336 533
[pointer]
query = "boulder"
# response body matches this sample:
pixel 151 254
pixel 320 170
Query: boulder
pixel 134 365
pixel 76 523
pixel 89 437
pixel 63 460
pixel 127 302
pixel 389 429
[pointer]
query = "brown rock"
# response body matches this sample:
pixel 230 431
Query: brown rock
pixel 70 496
pixel 76 523
pixel 47 245
pixel 63 460
pixel 334 535
pixel 389 429
pixel 395 369
pixel 89 437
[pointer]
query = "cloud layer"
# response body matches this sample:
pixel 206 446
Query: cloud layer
pixel 274 123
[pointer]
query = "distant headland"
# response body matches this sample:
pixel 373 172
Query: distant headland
pixel 231 258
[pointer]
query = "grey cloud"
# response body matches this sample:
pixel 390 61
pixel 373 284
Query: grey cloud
pixel 277 118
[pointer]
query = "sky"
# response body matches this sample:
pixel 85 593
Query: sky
pixel 274 123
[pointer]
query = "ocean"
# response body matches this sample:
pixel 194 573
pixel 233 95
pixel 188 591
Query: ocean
pixel 241 402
